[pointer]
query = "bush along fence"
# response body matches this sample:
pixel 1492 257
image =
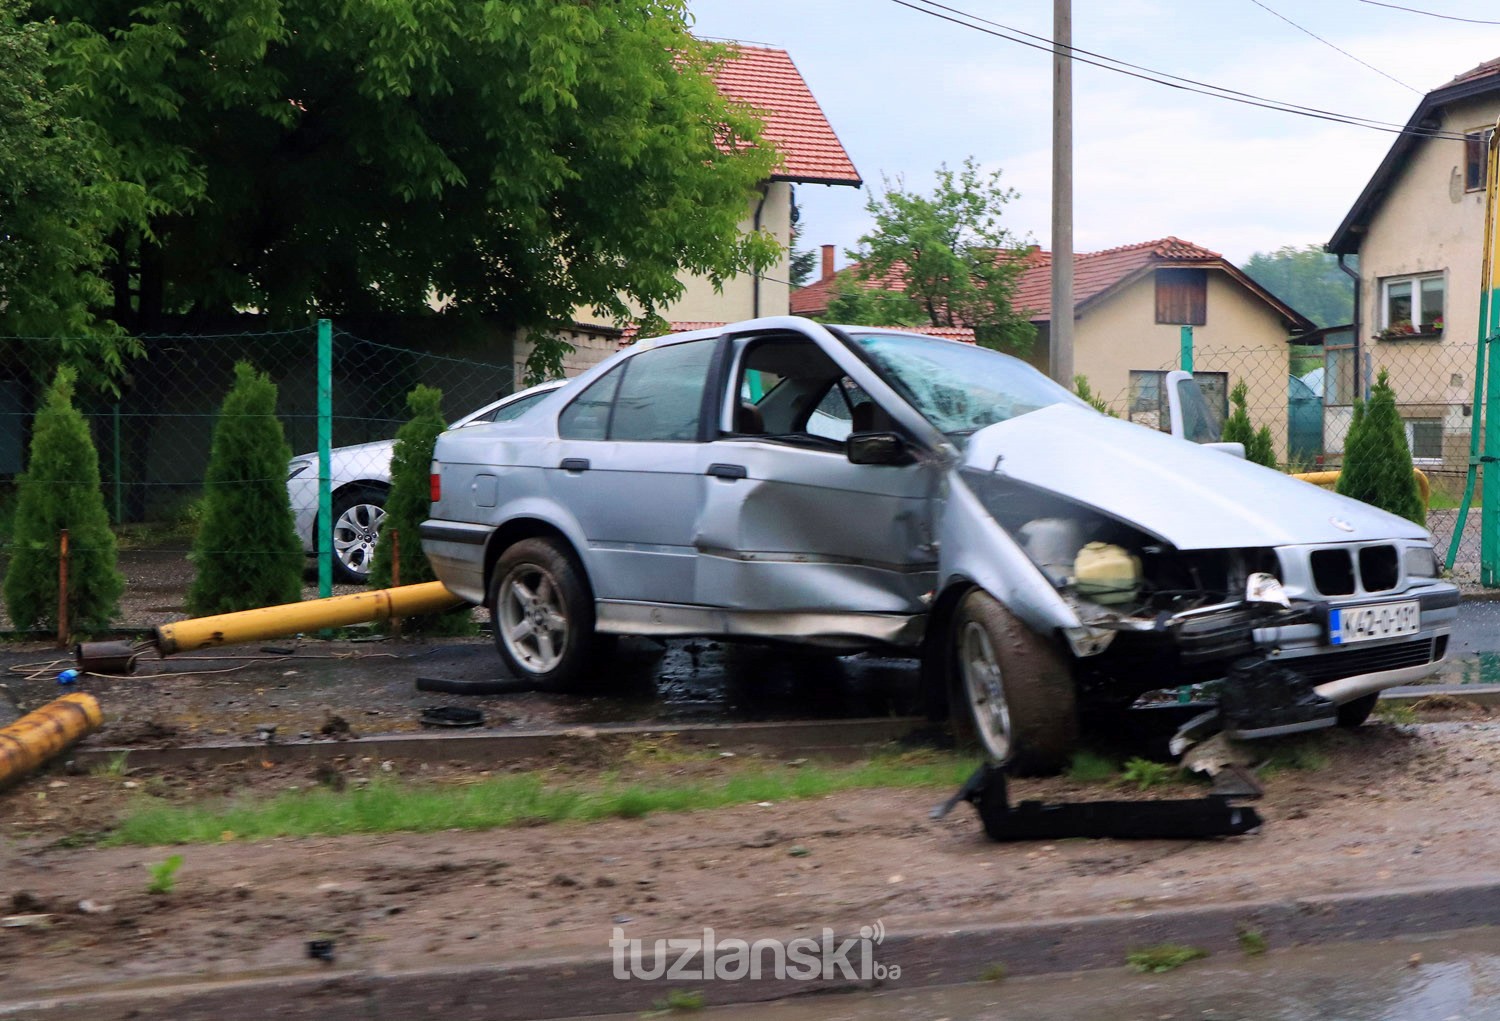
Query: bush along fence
pixel 339 400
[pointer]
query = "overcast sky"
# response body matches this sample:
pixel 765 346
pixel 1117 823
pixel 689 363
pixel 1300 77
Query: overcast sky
pixel 906 92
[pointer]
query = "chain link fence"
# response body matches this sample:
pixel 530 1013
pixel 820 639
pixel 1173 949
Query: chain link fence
pixel 154 439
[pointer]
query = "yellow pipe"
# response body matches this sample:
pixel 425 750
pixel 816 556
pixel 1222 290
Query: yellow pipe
pixel 274 621
pixel 38 736
pixel 1331 478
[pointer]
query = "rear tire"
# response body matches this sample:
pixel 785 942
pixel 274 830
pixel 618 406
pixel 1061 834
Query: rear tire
pixel 1015 693
pixel 1354 714
pixel 357 514
pixel 543 614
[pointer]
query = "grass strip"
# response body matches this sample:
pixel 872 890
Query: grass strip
pixel 397 806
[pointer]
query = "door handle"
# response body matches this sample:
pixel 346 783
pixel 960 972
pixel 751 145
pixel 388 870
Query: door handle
pixel 574 464
pixel 727 471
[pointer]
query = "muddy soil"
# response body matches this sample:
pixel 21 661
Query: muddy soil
pixel 1384 807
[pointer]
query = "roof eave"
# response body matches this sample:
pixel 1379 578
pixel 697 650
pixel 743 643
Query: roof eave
pixel 808 179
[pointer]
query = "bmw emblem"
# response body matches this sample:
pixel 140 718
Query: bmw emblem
pixel 1341 524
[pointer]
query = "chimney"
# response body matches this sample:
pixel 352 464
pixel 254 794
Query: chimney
pixel 827 262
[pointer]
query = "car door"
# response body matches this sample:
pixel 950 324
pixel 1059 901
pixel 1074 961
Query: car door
pixel 629 469
pixel 789 523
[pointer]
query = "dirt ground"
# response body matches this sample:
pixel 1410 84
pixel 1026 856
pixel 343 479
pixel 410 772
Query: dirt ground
pixel 1387 806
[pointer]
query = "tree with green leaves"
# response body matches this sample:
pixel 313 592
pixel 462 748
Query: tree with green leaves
pixel 60 490
pixel 947 255
pixel 1308 279
pixel 519 160
pixel 1377 459
pixel 1259 446
pixel 246 552
pixel 1094 400
pixel 408 505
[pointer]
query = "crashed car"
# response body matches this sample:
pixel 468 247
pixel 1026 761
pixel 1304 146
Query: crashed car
pixel 848 487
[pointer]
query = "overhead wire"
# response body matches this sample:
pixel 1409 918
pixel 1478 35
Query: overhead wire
pixel 1337 48
pixel 1431 14
pixel 933 9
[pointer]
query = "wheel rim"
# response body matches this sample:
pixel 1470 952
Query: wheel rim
pixel 533 619
pixel 354 536
pixel 986 689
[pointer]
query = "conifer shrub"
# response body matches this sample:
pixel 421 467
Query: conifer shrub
pixel 60 489
pixel 1377 460
pixel 246 552
pixel 1094 400
pixel 408 505
pixel 1259 447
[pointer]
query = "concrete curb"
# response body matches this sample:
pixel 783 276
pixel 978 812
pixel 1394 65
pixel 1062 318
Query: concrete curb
pixel 576 986
pixel 820 737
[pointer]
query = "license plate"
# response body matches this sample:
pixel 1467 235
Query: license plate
pixel 1350 624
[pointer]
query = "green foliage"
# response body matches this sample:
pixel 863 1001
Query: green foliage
pixel 60 489
pixel 544 362
pixel 853 303
pixel 407 507
pixel 246 552
pixel 1259 447
pixel 1252 942
pixel 164 875
pixel 1163 957
pixel 993 973
pixel 1377 461
pixel 1396 713
pixel 954 262
pixel 1146 774
pixel 522 159
pixel 1308 279
pixel 802 264
pixel 680 1000
pixel 1086 393
pixel 1091 767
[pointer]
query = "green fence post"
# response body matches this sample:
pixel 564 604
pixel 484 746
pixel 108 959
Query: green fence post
pixel 119 501
pixel 1187 349
pixel 325 447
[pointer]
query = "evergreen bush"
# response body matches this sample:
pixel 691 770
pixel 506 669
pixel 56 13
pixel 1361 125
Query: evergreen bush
pixel 60 489
pixel 1086 394
pixel 1377 460
pixel 408 505
pixel 246 552
pixel 1259 447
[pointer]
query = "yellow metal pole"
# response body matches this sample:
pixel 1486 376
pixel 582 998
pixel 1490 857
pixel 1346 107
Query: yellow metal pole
pixel 274 621
pixel 1331 478
pixel 38 736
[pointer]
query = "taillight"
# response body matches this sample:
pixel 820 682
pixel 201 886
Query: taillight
pixel 435 482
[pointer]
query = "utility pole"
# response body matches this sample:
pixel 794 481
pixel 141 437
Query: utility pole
pixel 1061 339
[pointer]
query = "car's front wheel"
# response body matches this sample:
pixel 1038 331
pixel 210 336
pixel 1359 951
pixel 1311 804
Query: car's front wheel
pixel 1016 695
pixel 357 514
pixel 543 614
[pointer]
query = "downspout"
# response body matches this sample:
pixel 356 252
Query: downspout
pixel 1359 374
pixel 765 193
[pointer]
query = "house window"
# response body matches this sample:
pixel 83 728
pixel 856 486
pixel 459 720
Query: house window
pixel 1425 438
pixel 1147 397
pixel 1476 159
pixel 1182 296
pixel 1411 305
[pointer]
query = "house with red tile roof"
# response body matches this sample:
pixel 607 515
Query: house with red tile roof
pixel 1130 306
pixel 1418 231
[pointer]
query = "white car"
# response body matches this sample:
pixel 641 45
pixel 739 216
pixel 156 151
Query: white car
pixel 361 481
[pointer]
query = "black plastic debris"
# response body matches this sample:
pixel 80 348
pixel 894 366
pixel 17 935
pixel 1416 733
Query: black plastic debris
pixel 451 716
pixel 320 950
pixel 1262 698
pixel 1180 819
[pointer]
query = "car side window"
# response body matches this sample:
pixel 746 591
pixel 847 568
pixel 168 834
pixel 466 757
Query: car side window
pixel 587 418
pixel 661 396
pixel 515 409
pixel 833 418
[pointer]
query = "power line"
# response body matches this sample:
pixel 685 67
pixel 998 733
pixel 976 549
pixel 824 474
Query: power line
pixel 1340 49
pixel 1430 14
pixel 1161 77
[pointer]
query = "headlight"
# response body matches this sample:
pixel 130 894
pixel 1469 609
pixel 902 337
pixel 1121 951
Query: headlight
pixel 1421 562
pixel 297 468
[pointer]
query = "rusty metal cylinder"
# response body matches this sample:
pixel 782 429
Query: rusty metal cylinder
pixel 106 657
pixel 46 732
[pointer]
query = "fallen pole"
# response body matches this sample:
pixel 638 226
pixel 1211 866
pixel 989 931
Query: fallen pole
pixel 46 732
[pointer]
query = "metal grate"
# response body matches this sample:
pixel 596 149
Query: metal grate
pixel 1334 665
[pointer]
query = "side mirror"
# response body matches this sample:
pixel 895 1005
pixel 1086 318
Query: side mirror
pixel 877 448
pixel 1231 448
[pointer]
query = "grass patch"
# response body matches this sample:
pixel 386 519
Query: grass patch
pixel 164 875
pixel 394 806
pixel 1303 755
pixel 679 1000
pixel 1252 942
pixel 1091 767
pixel 993 973
pixel 1163 957
pixel 1146 774
pixel 1390 711
pixel 113 766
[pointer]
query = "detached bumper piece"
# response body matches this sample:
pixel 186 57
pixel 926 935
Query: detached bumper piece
pixel 1263 699
pixel 1183 819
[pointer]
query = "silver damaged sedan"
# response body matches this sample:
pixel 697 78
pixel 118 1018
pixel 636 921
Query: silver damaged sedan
pixel 851 488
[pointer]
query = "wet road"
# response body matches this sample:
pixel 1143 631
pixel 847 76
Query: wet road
pixel 1432 979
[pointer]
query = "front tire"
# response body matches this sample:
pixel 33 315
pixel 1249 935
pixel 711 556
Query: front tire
pixel 357 514
pixel 543 614
pixel 1354 714
pixel 1015 691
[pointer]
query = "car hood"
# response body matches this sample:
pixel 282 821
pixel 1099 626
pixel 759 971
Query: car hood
pixel 1192 496
pixel 372 455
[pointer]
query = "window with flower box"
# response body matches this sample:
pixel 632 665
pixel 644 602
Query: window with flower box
pixel 1411 306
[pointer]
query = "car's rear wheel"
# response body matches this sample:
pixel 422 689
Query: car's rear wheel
pixel 543 614
pixel 1015 691
pixel 357 514
pixel 1354 714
